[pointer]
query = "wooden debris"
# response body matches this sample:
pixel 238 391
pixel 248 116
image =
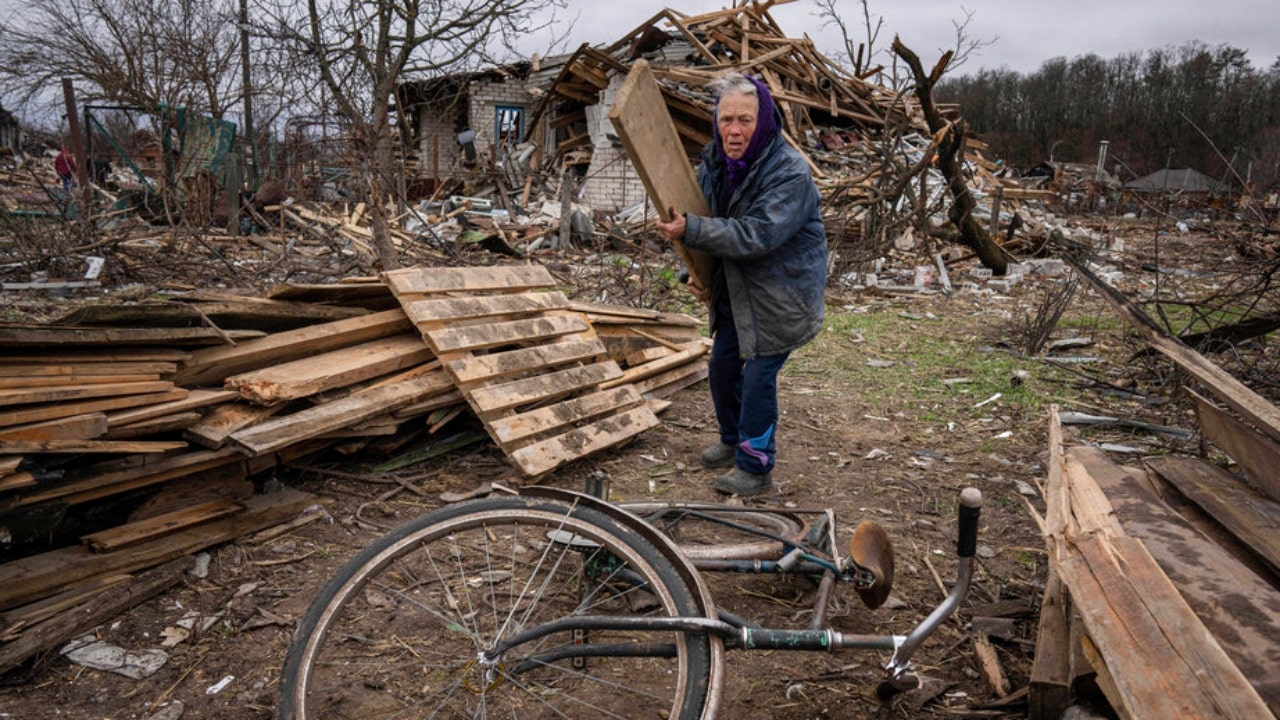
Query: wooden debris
pixel 512 357
pixel 1154 657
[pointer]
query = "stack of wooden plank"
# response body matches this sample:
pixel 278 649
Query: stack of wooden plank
pixel 129 454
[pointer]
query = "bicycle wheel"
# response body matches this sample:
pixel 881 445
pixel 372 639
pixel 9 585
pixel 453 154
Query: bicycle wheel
pixel 398 632
pixel 709 530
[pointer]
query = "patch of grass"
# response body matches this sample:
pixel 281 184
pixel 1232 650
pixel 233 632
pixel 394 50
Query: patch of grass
pixel 910 357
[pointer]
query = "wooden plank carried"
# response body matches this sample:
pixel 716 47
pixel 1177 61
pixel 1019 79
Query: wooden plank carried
pixel 77 427
pixel 1257 454
pixel 70 409
pixel 509 279
pixel 1252 518
pixel 640 117
pixel 214 364
pixel 334 369
pixel 543 457
pixel 133 533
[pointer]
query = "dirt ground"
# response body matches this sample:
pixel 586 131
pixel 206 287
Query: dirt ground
pixel 869 455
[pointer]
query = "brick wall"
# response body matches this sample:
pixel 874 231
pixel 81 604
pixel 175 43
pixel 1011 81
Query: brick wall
pixel 612 183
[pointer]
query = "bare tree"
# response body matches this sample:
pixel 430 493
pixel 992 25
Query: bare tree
pixel 861 54
pixel 361 50
pixel 131 52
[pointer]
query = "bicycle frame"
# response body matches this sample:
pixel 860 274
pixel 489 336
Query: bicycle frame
pixel 737 633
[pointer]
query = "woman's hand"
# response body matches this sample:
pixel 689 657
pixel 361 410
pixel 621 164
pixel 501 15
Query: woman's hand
pixel 703 296
pixel 673 231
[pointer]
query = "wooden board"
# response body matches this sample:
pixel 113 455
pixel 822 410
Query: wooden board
pixel 543 457
pixel 217 425
pixel 475 368
pixel 193 400
pixel 1239 608
pixel 471 307
pixel 1252 518
pixel 328 417
pixel 1256 454
pixel 1235 394
pixel 52 335
pixel 511 279
pixel 154 426
pixel 103 482
pixel 482 337
pixel 543 388
pixel 70 409
pixel 85 369
pixel 123 536
pixel 1154 657
pixel 516 428
pixel 640 117
pixel 37 381
pixel 77 427
pixel 212 365
pixel 330 370
pixel 27 396
pixel 23 447
pixel 39 576
pixel 1163 662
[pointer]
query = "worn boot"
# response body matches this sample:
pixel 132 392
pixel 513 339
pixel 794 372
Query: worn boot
pixel 719 455
pixel 740 482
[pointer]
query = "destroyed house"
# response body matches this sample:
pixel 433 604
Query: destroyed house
pixel 560 108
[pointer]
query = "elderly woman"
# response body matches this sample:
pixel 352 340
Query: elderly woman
pixel 766 232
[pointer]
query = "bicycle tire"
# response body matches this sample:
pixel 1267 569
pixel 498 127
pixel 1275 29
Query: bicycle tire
pixel 397 631
pixel 699 538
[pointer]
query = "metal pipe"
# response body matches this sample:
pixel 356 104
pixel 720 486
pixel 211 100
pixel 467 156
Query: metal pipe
pixel 825 586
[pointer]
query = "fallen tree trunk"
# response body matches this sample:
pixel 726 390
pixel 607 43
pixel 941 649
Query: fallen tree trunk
pixel 950 159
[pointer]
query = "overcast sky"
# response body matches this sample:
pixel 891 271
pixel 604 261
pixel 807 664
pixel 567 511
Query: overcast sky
pixel 1028 31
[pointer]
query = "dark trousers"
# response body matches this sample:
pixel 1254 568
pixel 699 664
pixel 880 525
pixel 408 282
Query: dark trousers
pixel 745 395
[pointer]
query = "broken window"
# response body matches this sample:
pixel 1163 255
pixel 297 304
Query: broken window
pixel 510 127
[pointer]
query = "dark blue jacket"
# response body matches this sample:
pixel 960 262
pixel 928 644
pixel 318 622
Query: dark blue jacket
pixel 772 248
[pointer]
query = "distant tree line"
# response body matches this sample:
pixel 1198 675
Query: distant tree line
pixel 1192 106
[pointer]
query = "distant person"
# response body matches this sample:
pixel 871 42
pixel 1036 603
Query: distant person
pixel 65 164
pixel 765 229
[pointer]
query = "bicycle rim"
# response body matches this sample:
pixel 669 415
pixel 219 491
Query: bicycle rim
pixel 398 632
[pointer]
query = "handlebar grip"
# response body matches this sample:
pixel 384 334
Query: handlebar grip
pixel 970 509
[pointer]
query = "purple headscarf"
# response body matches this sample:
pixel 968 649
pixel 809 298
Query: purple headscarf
pixel 766 131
